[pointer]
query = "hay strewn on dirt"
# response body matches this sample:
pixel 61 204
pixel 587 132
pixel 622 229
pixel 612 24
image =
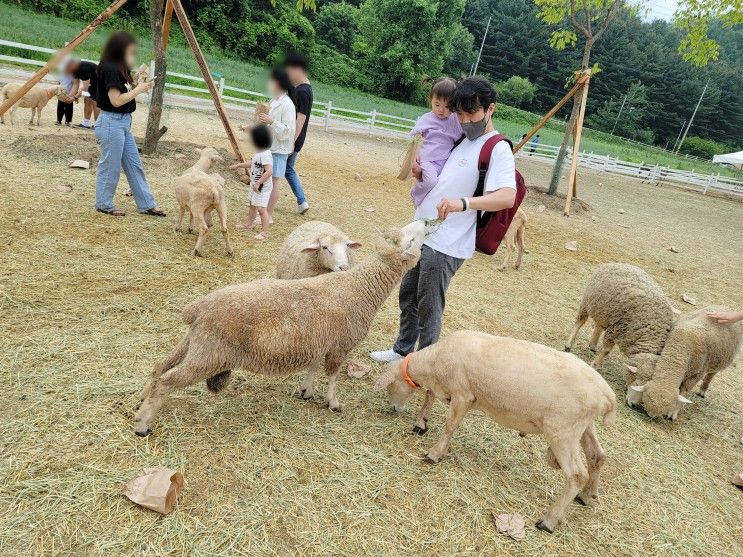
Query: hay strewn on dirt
pixel 88 303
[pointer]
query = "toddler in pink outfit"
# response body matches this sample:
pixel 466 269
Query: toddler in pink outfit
pixel 440 130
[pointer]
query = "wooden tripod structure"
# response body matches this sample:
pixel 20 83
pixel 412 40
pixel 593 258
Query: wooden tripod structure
pixel 171 6
pixel 579 88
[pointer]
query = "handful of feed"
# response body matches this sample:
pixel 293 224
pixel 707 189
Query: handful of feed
pixel 142 75
pixel 261 108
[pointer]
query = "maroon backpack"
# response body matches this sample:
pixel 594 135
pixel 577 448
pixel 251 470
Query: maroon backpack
pixel 492 226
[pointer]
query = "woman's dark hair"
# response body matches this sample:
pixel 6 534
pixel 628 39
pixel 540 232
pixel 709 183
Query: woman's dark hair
pixel 471 94
pixel 279 75
pixel 114 52
pixel 442 88
pixel 261 137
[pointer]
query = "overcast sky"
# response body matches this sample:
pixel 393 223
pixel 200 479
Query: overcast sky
pixel 660 9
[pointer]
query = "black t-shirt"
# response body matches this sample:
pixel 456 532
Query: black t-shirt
pixel 110 77
pixel 88 71
pixel 303 94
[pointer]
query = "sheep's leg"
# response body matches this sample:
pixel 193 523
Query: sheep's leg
pixel 173 359
pixel 203 229
pixel 12 115
pixel 309 382
pixel 182 375
pixel 454 415
pixel 179 221
pixel 33 113
pixel 507 258
pixel 705 383
pixel 222 213
pixel 594 342
pixel 38 116
pixel 421 422
pixel 522 239
pixel 333 369
pixel 208 218
pixel 579 322
pixel 567 455
pixel 595 457
pixel 606 347
pixel 520 248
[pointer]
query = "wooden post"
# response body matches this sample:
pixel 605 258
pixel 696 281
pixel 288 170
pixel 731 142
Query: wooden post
pixel 167 19
pixel 57 56
pixel 206 74
pixel 547 117
pixel 372 121
pixel 576 148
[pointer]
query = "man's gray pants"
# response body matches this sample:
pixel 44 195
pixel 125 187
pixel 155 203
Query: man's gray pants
pixel 422 300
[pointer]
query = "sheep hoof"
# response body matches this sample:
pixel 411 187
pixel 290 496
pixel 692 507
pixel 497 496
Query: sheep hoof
pixel 419 430
pixel 593 349
pixel 430 460
pixel 230 253
pixel 197 253
pixel 306 394
pixel 144 433
pixel 568 349
pixel 579 499
pixel 501 269
pixel 335 407
pixel 702 394
pixel 542 525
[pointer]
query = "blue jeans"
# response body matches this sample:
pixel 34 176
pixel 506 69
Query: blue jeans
pixel 118 150
pixel 293 178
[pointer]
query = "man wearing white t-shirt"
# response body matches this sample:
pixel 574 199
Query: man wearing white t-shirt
pixel 423 288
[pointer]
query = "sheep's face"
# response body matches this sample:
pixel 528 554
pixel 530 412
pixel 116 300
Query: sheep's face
pixel 209 153
pixel 59 91
pixel 399 391
pixel 411 240
pixel 333 252
pixel 644 392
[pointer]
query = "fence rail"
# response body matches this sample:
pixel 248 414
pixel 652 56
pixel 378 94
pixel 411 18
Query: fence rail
pixel 330 116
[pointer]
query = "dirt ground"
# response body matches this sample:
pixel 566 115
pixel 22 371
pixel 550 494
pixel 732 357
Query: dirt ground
pixel 89 303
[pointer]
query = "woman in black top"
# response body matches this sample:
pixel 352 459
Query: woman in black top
pixel 116 94
pixel 85 79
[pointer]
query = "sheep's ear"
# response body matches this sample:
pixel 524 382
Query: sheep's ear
pixel 311 248
pixel 638 388
pixel 631 369
pixel 353 245
pixel 385 380
pixel 685 400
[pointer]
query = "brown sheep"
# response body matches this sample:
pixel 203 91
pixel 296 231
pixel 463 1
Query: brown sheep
pixel 35 99
pixel 276 326
pixel 200 194
pixel 515 238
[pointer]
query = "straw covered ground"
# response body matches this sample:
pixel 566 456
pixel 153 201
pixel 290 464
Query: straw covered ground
pixel 89 303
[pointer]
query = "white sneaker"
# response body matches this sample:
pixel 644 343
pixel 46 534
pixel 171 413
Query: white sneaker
pixel 303 207
pixel 385 356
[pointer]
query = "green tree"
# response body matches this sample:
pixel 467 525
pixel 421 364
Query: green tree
pixel 694 18
pixel 626 115
pixel 703 148
pixel 516 91
pixel 400 41
pixel 336 27
pixel 462 52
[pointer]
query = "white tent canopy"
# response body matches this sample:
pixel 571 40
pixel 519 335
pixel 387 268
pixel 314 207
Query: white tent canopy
pixel 735 159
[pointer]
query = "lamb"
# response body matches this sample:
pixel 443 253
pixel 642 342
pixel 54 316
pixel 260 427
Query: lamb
pixel 35 99
pixel 515 239
pixel 314 248
pixel 522 385
pixel 200 193
pixel 629 307
pixel 277 326
pixel 696 350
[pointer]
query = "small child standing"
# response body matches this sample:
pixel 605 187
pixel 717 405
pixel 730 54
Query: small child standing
pixel 440 129
pixel 65 104
pixel 260 173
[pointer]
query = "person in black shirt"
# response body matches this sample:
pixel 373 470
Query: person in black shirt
pixel 113 130
pixel 85 78
pixel 296 67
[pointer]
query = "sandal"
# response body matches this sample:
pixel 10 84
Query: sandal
pixel 112 212
pixel 154 212
pixel 260 236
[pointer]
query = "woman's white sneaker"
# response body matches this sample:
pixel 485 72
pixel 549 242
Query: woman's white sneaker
pixel 385 356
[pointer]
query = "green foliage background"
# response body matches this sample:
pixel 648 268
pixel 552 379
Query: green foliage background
pixel 385 47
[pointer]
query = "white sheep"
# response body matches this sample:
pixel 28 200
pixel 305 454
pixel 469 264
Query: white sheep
pixel 277 326
pixel 200 193
pixel 314 248
pixel 36 99
pixel 521 385
pixel 696 350
pixel 629 307
pixel 515 238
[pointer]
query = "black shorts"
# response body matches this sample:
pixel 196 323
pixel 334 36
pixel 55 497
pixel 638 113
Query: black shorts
pixel 93 90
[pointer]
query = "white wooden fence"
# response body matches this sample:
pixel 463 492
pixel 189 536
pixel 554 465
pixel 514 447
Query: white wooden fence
pixel 189 91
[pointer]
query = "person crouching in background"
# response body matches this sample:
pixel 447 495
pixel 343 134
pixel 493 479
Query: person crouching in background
pixel 85 80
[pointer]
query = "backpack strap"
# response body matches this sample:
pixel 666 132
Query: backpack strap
pixel 483 162
pixel 457 142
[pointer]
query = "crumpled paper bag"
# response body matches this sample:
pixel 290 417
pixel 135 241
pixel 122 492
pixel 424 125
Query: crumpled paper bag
pixel 260 108
pixel 357 370
pixel 406 169
pixel 511 525
pixel 156 488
